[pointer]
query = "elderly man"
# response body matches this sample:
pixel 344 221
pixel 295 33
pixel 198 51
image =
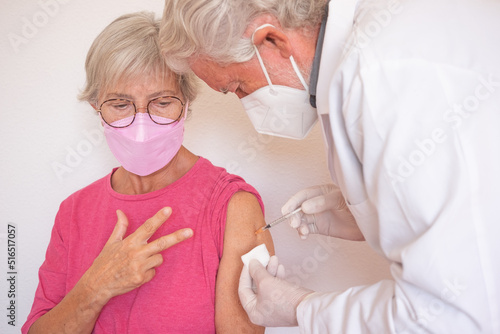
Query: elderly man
pixel 407 94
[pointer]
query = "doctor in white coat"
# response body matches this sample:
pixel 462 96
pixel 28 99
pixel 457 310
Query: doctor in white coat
pixel 408 96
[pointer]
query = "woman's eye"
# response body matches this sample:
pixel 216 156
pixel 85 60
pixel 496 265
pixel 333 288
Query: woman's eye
pixel 121 106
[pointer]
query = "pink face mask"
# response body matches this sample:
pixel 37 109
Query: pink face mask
pixel 145 147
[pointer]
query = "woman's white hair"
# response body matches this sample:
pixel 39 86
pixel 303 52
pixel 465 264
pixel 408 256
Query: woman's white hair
pixel 214 28
pixel 128 47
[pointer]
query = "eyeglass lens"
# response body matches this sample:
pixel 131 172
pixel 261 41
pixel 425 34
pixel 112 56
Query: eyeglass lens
pixel 120 112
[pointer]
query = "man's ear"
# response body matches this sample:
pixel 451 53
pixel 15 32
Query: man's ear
pixel 273 37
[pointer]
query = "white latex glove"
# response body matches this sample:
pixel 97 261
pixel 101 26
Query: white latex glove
pixel 324 211
pixel 276 300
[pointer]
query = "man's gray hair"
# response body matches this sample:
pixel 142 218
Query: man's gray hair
pixel 127 47
pixel 214 28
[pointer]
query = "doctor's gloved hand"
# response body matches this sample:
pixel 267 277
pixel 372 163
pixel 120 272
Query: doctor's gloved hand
pixel 324 211
pixel 276 300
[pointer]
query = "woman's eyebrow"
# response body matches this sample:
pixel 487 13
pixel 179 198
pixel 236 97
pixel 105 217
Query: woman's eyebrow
pixel 118 96
pixel 130 97
pixel 162 93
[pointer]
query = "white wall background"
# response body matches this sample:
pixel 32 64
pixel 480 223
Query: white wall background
pixel 51 145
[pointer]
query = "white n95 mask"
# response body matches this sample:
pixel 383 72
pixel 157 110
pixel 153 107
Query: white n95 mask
pixel 280 110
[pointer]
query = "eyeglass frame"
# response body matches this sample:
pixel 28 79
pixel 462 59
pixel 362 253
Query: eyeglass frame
pixel 147 110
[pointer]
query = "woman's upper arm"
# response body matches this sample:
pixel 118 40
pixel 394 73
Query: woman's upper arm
pixel 244 217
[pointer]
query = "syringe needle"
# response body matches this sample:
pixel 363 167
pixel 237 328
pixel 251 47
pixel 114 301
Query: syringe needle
pixel 260 230
pixel 277 221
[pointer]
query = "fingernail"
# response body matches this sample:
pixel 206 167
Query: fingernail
pixel 187 233
pixel 167 211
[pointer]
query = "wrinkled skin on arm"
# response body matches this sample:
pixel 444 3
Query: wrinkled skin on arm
pixel 244 217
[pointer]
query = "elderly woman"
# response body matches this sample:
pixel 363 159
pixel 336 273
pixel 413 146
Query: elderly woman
pixel 142 274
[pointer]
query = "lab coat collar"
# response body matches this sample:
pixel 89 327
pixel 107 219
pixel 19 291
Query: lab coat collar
pixel 317 58
pixel 339 26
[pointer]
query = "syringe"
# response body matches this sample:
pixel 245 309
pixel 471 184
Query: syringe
pixel 277 221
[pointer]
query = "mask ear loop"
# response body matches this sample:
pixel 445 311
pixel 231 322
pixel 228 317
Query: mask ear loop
pixel 186 107
pixel 260 58
pixel 294 64
pixel 297 71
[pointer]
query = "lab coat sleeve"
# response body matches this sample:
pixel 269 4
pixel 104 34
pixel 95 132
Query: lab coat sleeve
pixel 413 123
pixel 326 312
pixel 429 185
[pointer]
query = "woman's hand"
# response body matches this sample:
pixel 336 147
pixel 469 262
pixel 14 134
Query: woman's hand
pixel 122 265
pixel 126 264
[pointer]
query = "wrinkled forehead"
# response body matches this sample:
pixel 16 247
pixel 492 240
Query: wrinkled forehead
pixel 211 72
pixel 161 78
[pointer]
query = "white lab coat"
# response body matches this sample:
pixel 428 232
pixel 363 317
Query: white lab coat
pixel 409 101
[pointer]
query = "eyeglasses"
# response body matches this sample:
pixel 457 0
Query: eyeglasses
pixel 120 113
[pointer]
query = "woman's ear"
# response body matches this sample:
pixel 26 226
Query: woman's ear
pixel 95 108
pixel 270 36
